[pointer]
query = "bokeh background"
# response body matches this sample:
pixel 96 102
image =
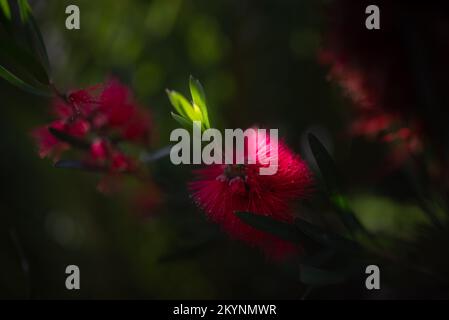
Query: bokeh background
pixel 258 63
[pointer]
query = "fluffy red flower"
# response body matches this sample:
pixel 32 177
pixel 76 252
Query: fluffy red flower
pixel 221 190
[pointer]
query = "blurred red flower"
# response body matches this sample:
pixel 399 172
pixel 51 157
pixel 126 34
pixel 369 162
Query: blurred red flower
pixel 107 110
pixel 396 76
pixel 101 117
pixel 221 190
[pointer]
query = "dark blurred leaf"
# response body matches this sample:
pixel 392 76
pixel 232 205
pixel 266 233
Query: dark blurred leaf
pixel 330 240
pixel 349 218
pixel 331 180
pixel 24 10
pixel 325 163
pixel 4 5
pixel 39 44
pixel 13 79
pixel 73 141
pixel 13 54
pixel 320 277
pixel 282 230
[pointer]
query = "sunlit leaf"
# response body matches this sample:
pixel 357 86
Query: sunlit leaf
pixel 179 103
pixel 182 121
pixel 199 99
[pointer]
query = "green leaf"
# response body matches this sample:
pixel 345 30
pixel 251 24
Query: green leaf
pixel 73 141
pixel 13 79
pixel 182 121
pixel 329 173
pixel 320 277
pixel 4 5
pixel 282 230
pixel 24 10
pixel 23 53
pixel 15 55
pixel 181 105
pixel 199 99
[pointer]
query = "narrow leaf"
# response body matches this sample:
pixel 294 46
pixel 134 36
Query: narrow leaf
pixel 177 100
pixel 330 240
pixel 13 79
pixel 24 10
pixel 282 230
pixel 329 173
pixel 182 121
pixel 199 99
pixel 39 43
pixel 184 108
pixel 4 5
pixel 15 55
pixel 325 163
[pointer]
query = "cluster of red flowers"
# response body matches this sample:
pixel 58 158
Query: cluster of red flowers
pixel 221 190
pixel 96 120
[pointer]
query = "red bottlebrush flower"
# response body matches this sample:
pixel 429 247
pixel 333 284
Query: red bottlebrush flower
pixel 221 190
pixel 114 94
pixel 138 128
pixel 77 128
pixel 115 103
pixel 99 119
